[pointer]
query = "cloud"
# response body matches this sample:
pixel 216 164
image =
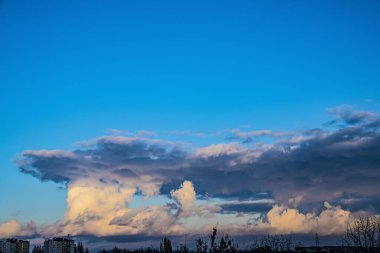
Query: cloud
pixel 91 204
pixel 49 153
pixel 247 206
pixel 348 115
pixel 332 220
pixel 282 219
pixel 189 133
pixel 140 133
pixel 13 228
pixel 146 133
pixel 152 220
pixel 101 208
pixel 259 186
pixel 185 197
pixel 246 137
pixel 103 156
pixel 318 165
pixel 222 149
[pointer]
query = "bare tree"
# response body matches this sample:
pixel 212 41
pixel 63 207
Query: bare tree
pixel 201 246
pixel 363 234
pixel 166 246
pixel 272 243
pixel 227 245
pixel 212 236
pixel 182 248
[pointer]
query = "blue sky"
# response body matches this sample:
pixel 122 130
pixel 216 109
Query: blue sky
pixel 72 71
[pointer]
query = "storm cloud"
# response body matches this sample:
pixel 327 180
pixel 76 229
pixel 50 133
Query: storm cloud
pixel 306 176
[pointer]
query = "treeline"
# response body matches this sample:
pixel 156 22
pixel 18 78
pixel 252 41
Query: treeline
pixel 361 236
pixel 213 244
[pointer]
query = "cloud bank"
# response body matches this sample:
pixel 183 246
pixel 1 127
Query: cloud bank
pixel 302 182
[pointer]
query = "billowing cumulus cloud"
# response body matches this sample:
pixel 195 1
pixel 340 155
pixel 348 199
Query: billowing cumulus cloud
pixel 253 187
pixel 185 197
pixel 282 219
pixel 332 220
pixel 102 208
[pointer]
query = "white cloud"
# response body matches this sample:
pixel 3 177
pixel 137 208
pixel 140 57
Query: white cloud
pixel 220 149
pixel 185 197
pixel 102 208
pixel 332 220
pixel 13 228
pixel 49 153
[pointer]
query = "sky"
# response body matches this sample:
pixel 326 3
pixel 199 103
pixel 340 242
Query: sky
pixel 264 114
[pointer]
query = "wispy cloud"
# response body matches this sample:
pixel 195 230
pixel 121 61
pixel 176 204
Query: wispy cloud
pixel 248 136
pixel 140 133
pixel 189 133
pixel 349 115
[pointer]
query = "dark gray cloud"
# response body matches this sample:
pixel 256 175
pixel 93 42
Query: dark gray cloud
pixel 315 165
pixel 344 161
pixel 128 157
pixel 355 202
pixel 247 207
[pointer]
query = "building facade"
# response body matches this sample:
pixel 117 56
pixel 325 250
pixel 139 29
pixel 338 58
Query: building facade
pixel 59 245
pixel 14 246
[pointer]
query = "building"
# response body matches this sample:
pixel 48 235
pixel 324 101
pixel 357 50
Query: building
pixel 14 246
pixel 59 245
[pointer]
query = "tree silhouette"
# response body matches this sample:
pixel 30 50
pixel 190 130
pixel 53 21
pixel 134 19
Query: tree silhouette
pixel 182 248
pixel 363 234
pixel 201 246
pixel 166 246
pixel 80 248
pixel 212 236
pixel 272 243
